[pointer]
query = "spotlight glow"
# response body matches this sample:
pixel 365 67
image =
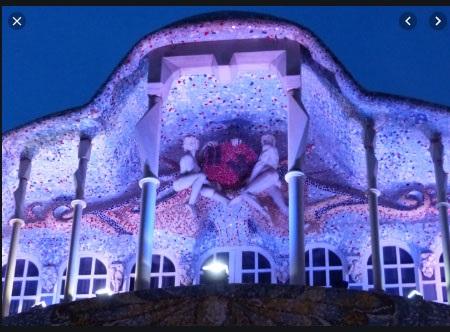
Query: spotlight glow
pixel 104 291
pixel 216 267
pixel 413 293
pixel 41 304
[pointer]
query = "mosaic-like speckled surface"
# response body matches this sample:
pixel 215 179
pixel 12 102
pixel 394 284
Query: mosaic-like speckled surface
pixel 249 106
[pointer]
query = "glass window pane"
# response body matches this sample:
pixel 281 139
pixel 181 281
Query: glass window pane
pixel 223 257
pixel 154 282
pixel 444 293
pixel 63 285
pixel 133 269
pixel 168 281
pixel 20 266
pixel 407 290
pixel 32 270
pixel 14 307
pixel 85 266
pixel 392 290
pixel 65 272
pixel 168 265
pixel 336 278
pixel 17 287
pixel 318 257
pixel 441 258
pixel 405 258
pixel 369 260
pixel 319 278
pixel 83 286
pixel 408 276
pixel 442 274
pixel 27 304
pixel 391 276
pixel 264 278
pixel 155 263
pixel 307 258
pixel 248 260
pixel 131 284
pixel 248 278
pixel 3 271
pixel 334 259
pixel 47 299
pixel 31 287
pixel 98 284
pixel 355 287
pixel 100 268
pixel 429 292
pixel 370 276
pixel 389 255
pixel 263 262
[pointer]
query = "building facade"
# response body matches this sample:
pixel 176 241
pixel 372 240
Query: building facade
pixel 238 139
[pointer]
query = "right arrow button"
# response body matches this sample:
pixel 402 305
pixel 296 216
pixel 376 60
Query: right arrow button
pixel 438 21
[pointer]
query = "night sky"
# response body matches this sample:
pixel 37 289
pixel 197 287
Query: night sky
pixel 63 55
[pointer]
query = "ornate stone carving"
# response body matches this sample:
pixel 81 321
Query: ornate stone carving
pixel 427 264
pixel 117 271
pixel 49 278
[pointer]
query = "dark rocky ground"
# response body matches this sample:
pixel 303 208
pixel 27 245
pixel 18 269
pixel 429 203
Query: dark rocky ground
pixel 240 305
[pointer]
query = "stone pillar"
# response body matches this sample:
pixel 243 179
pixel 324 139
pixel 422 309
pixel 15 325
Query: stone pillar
pixel 147 225
pixel 78 204
pixel 148 138
pixel 437 154
pixel 295 179
pixel 373 193
pixel 17 222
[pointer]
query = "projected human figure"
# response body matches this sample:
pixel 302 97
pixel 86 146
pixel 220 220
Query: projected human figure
pixel 264 177
pixel 192 176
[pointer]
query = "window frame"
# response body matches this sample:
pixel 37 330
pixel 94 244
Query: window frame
pixel 159 274
pixel 235 263
pixel 23 279
pixel 92 276
pixel 327 267
pixel 398 266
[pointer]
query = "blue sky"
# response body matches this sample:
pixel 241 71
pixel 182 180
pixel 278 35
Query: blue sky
pixel 64 54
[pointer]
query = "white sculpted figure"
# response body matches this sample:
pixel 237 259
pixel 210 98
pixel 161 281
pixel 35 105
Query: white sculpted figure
pixel 192 176
pixel 264 176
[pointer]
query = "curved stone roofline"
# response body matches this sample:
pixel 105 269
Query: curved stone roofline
pixel 319 52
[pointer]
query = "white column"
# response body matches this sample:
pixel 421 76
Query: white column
pixel 148 138
pixel 437 154
pixel 147 225
pixel 295 180
pixel 17 222
pixel 78 204
pixel 373 193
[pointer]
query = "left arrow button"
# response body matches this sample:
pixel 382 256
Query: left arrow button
pixel 408 21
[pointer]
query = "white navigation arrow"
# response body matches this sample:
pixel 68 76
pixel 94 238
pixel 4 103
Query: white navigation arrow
pixel 407 20
pixel 438 20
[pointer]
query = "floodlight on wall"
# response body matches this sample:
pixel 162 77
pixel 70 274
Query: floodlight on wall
pixel 104 292
pixel 414 293
pixel 216 267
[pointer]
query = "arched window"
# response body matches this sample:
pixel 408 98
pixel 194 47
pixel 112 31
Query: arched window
pixel 163 273
pixel 25 291
pixel 323 268
pixel 442 287
pixel 245 265
pixel 92 276
pixel 398 271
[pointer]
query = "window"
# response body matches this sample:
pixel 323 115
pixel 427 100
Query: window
pixel 245 265
pixel 399 276
pixel 441 282
pixel 163 273
pixel 92 276
pixel 323 268
pixel 25 291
